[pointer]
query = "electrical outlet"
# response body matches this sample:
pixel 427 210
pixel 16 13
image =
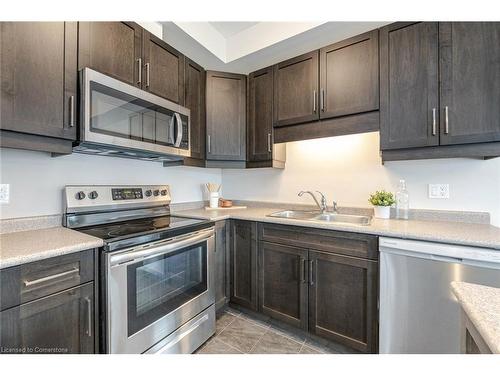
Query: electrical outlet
pixel 439 191
pixel 4 193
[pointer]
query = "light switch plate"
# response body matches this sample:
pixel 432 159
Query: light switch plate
pixel 439 191
pixel 4 193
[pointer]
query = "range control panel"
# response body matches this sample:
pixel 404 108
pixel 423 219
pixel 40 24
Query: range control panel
pixel 78 198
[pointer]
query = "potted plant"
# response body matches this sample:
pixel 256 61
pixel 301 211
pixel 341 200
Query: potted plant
pixel 382 201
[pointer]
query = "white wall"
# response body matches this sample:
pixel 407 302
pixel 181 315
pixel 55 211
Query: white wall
pixel 348 168
pixel 36 179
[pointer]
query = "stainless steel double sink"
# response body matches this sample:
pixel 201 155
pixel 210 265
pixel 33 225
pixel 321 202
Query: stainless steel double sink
pixel 326 217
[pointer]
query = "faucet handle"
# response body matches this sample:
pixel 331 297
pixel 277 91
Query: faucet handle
pixel 324 205
pixel 334 207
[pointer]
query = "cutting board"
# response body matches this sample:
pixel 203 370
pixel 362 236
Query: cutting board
pixel 225 208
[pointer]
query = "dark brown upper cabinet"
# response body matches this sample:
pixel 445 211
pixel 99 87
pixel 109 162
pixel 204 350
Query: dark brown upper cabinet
pixel 112 48
pixel 261 150
pixel 283 284
pixel 349 72
pixel 226 116
pixel 296 90
pixel 343 300
pixel 243 263
pixel 194 99
pixel 409 85
pixel 469 54
pixel 38 73
pixel 163 66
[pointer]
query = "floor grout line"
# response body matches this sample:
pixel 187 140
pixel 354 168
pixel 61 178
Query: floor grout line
pixel 225 343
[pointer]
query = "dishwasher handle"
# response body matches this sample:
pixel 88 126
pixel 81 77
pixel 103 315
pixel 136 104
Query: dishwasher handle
pixel 441 258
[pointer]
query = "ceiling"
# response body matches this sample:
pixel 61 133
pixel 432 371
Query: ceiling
pixel 243 47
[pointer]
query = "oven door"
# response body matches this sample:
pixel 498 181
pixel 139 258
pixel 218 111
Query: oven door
pixel 116 114
pixel 154 289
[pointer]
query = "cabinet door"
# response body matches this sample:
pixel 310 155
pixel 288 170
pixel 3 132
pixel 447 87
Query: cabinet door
pixel 349 76
pixel 470 82
pixel 112 48
pixel 244 264
pixel 296 90
pixel 38 73
pixel 343 300
pixel 260 115
pixel 283 284
pixel 409 85
pixel 220 264
pixel 163 69
pixel 226 116
pixel 195 101
pixel 60 323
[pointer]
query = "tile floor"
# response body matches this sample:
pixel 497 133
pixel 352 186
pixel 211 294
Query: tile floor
pixel 238 333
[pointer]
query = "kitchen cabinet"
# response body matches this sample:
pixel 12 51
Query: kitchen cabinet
pixel 163 69
pixel 221 264
pixel 261 150
pixel 469 61
pixel 438 88
pixel 195 100
pixel 349 76
pixel 322 281
pixel 409 85
pixel 282 283
pixel 226 116
pixel 38 77
pixel 243 263
pixel 60 323
pixel 112 48
pixel 296 90
pixel 49 305
pixel 343 300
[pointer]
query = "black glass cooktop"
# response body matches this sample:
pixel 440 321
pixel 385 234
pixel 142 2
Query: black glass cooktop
pixel 138 227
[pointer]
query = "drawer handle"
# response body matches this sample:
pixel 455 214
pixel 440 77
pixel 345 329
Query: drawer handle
pixel 51 277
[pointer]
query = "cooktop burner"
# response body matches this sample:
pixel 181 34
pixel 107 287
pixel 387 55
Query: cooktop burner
pixel 129 228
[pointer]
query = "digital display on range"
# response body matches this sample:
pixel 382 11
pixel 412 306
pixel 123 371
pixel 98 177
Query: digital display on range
pixel 129 193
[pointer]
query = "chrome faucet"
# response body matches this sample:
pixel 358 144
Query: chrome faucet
pixel 322 206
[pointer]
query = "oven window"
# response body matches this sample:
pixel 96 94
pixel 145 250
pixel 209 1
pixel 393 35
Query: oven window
pixel 160 285
pixel 118 114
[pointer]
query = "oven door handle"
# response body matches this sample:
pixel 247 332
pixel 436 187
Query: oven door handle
pixel 134 256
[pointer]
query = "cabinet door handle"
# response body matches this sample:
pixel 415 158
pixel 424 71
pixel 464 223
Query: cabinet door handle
pixel 51 277
pixel 147 65
pixel 311 272
pixel 269 143
pixel 139 71
pixel 72 111
pixel 322 100
pixel 446 123
pixel 88 331
pixel 302 270
pixel 209 144
pixel 314 101
pixel 434 121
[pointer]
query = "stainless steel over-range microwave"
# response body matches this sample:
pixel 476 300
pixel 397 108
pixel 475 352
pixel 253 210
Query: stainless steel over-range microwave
pixel 118 119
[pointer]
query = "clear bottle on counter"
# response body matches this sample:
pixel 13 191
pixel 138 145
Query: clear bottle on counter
pixel 402 201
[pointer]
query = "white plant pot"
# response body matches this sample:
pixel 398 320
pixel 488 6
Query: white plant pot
pixel 382 212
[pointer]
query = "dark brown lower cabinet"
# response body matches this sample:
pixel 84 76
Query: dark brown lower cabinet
pixel 343 300
pixel 60 323
pixel 283 284
pixel 243 263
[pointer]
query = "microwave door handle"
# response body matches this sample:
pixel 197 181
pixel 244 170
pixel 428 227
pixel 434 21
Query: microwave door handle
pixel 133 256
pixel 179 129
pixel 171 130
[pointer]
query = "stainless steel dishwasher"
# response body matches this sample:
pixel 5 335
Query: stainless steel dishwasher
pixel 418 311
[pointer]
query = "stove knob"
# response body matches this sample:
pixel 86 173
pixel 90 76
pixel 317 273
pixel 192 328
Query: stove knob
pixel 80 195
pixel 156 193
pixel 148 193
pixel 163 192
pixel 93 194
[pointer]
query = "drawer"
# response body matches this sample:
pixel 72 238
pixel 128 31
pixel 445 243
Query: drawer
pixel 30 281
pixel 346 243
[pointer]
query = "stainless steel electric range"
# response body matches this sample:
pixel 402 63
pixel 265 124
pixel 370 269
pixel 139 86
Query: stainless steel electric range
pixel 156 269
